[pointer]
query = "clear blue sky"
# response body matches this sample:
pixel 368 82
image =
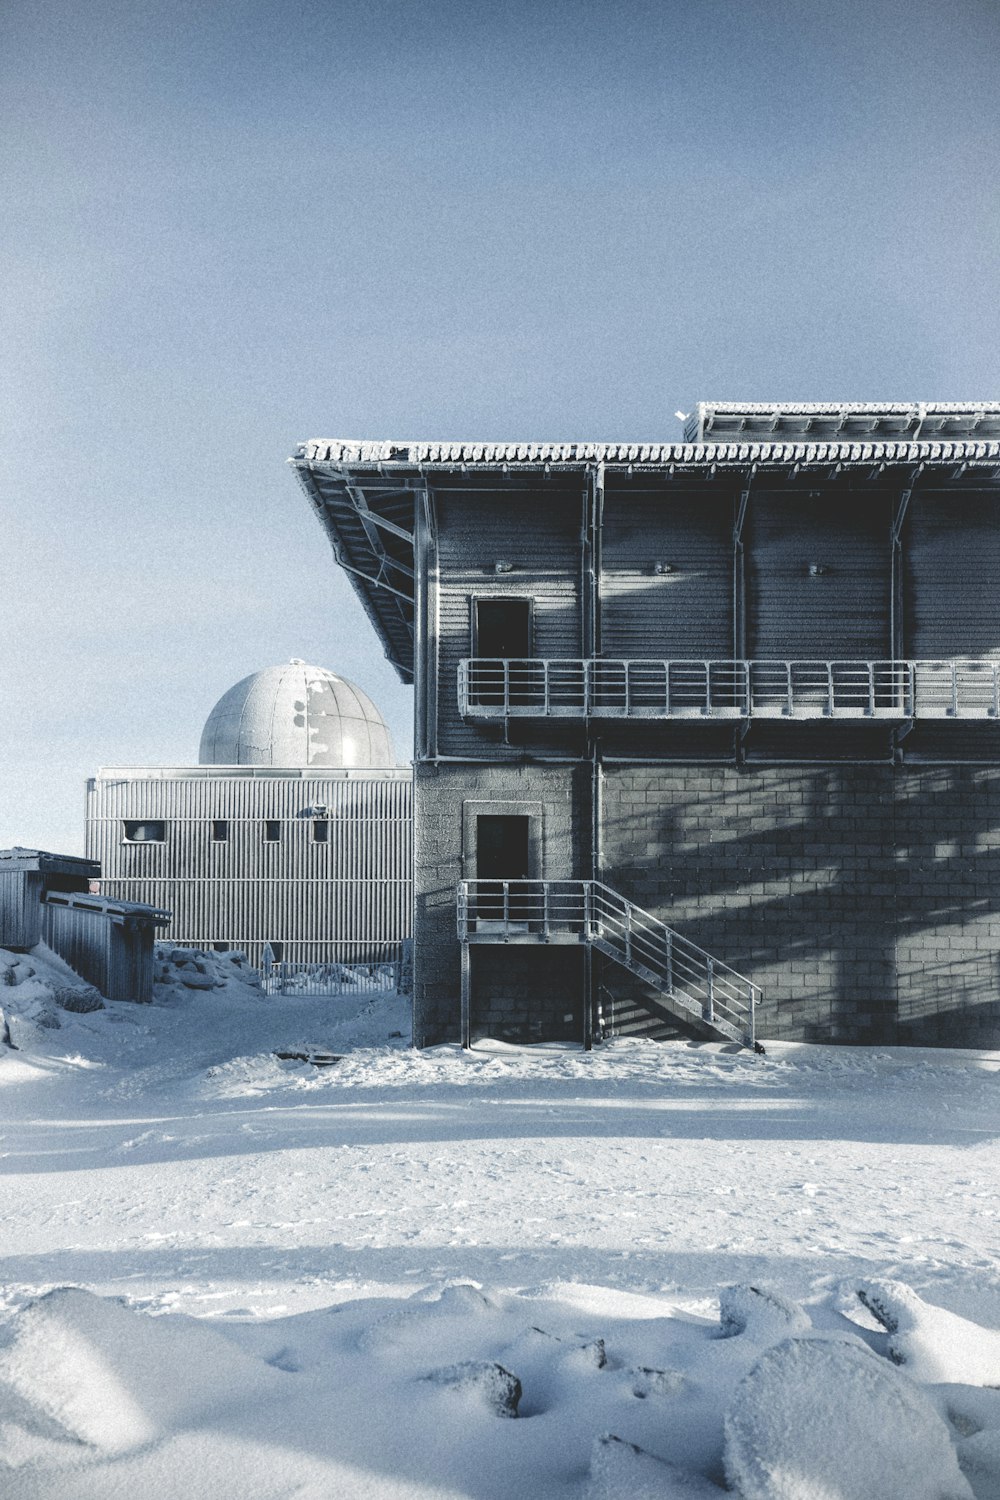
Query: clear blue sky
pixel 231 226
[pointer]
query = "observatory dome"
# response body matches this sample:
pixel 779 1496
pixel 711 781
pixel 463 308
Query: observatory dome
pixel 295 715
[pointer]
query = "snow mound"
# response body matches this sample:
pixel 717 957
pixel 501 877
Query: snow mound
pixel 761 1315
pixel 88 1370
pixel 933 1345
pixel 623 1471
pixel 34 988
pixel 825 1419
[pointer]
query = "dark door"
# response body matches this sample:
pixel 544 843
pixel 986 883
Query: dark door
pixel 503 636
pixel 502 855
pixel 503 628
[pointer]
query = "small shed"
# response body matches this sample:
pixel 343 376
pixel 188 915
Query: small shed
pixel 26 877
pixel 108 942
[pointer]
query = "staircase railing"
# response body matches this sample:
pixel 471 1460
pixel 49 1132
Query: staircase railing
pixel 502 911
pixel 606 687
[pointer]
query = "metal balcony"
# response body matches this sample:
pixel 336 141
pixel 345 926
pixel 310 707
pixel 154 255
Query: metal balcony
pixel 610 688
pixel 587 911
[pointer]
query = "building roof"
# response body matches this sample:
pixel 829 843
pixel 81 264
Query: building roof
pixel 834 421
pixel 295 715
pixel 364 492
pixel 110 906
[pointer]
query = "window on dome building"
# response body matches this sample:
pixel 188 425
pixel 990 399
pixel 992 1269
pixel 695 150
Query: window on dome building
pixel 220 831
pixel 272 832
pixel 145 833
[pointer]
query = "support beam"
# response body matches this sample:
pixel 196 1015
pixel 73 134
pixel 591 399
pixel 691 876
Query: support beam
pixel 897 632
pixel 739 570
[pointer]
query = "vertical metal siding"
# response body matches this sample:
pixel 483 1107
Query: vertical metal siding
pixel 20 908
pixel 347 899
pixel 951 550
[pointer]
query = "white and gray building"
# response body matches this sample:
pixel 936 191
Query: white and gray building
pixel 294 830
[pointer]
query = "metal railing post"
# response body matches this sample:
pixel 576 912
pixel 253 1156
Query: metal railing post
pixel 466 1017
pixel 789 692
pixel 954 689
pixel 506 909
pixel 871 689
pixel 708 1010
pixel 829 689
pixel 628 934
pixel 545 910
pixel 668 972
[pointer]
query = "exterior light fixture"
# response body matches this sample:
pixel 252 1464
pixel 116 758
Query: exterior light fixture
pixel 659 568
pixel 816 570
pixel 503 566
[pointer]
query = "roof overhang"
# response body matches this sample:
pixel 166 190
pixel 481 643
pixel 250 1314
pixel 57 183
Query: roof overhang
pixel 365 493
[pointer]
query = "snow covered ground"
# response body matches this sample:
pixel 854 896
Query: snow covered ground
pixel 653 1270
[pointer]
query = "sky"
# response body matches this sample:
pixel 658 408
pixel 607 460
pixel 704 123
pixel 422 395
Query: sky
pixel 231 227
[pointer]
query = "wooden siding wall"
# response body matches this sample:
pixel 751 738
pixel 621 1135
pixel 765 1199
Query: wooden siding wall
pixel 951 546
pixel 687 612
pixel 540 537
pixel 348 899
pixel 841 614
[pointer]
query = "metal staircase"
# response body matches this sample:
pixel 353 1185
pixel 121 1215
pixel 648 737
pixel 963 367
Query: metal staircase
pixel 587 911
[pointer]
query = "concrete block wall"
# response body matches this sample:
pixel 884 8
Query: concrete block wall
pixel 864 899
pixel 440 795
pixel 527 994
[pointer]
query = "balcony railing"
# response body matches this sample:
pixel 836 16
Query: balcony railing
pixel 613 688
pixel 525 911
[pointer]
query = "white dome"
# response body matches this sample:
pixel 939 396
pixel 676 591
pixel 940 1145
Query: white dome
pixel 295 715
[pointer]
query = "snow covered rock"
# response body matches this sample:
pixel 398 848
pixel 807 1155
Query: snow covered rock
pixel 931 1344
pixel 198 969
pixel 825 1419
pixel 81 999
pixel 487 1381
pixel 764 1316
pixel 979 1458
pixel 621 1471
pixel 85 1369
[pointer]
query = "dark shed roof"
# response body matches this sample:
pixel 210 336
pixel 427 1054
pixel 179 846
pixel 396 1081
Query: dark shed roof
pixel 50 864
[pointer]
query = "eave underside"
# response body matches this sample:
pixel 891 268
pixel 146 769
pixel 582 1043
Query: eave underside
pixel 365 494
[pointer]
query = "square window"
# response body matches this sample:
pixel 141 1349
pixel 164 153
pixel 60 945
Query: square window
pixel 145 833
pixel 272 832
pixel 321 831
pixel 220 831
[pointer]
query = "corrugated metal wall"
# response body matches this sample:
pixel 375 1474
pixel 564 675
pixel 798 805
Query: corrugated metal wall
pixel 686 612
pixel 20 908
pixel 347 899
pixel 540 539
pixel 841 613
pixel 951 546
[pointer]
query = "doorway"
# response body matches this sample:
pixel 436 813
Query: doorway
pixel 503 854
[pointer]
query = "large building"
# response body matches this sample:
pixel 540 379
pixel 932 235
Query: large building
pixel 701 727
pixel 293 832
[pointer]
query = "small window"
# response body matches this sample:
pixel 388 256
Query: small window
pixel 220 831
pixel 277 951
pixel 145 833
pixel 321 831
pixel 272 832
